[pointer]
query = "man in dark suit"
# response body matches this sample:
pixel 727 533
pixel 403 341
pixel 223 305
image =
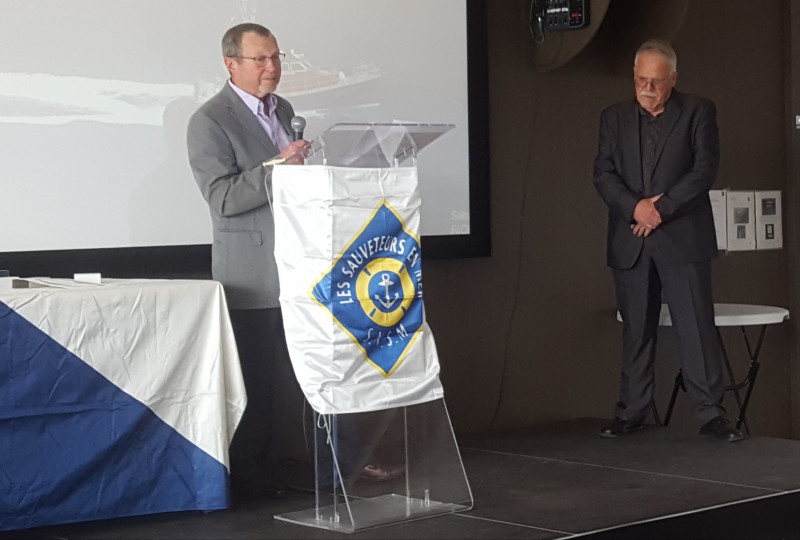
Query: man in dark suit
pixel 234 140
pixel 657 159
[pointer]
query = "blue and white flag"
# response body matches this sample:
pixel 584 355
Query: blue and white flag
pixel 115 400
pixel 350 267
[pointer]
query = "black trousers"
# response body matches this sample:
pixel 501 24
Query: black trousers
pixel 686 289
pixel 261 343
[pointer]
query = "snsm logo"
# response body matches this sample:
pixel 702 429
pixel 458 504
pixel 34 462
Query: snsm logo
pixel 374 289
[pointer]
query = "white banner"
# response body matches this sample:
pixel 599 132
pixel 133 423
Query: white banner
pixel 350 268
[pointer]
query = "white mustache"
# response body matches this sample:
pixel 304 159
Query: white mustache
pixel 648 94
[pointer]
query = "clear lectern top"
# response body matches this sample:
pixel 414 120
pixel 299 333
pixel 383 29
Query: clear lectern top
pixel 373 144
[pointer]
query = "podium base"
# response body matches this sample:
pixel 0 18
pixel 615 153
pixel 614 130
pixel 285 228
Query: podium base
pixel 413 463
pixel 377 511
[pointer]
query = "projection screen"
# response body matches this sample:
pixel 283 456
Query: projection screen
pixel 95 96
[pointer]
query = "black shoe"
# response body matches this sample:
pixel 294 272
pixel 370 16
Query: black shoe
pixel 720 430
pixel 618 427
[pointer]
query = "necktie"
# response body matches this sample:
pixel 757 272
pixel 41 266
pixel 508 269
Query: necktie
pixel 272 127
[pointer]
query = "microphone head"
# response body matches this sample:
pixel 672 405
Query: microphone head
pixel 298 123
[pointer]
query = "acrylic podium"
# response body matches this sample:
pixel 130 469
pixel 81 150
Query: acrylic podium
pixel 349 263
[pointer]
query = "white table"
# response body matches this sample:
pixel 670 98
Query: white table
pixel 116 399
pixel 741 315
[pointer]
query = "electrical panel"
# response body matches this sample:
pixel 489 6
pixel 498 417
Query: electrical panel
pixel 747 220
pixel 741 220
pixel 566 14
pixel 769 234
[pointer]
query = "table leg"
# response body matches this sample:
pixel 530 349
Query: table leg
pixel 656 418
pixel 734 387
pixel 751 375
pixel 679 385
pixel 748 382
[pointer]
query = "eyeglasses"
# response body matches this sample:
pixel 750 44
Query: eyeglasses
pixel 644 81
pixel 262 61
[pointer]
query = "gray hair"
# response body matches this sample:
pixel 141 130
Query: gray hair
pixel 232 40
pixel 661 47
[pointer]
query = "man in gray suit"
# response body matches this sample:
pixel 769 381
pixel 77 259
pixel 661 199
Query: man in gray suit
pixel 657 159
pixel 234 140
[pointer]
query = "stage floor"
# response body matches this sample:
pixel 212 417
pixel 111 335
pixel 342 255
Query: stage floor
pixel 552 481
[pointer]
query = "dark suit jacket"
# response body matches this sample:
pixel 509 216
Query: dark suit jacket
pixel 227 147
pixel 687 159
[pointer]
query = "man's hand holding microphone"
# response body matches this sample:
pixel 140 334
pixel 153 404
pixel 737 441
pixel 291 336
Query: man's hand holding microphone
pixel 295 152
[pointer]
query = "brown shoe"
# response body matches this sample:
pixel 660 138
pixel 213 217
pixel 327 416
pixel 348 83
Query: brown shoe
pixel 373 471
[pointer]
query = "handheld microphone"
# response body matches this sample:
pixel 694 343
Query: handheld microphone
pixel 298 125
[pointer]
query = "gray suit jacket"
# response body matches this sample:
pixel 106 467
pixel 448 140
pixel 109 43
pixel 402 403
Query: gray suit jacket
pixel 687 159
pixel 227 147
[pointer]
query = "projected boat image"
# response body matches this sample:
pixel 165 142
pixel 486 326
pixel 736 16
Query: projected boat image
pixel 305 84
pixel 27 98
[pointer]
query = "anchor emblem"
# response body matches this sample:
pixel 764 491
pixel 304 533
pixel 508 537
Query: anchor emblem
pixel 386 282
pixel 374 287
